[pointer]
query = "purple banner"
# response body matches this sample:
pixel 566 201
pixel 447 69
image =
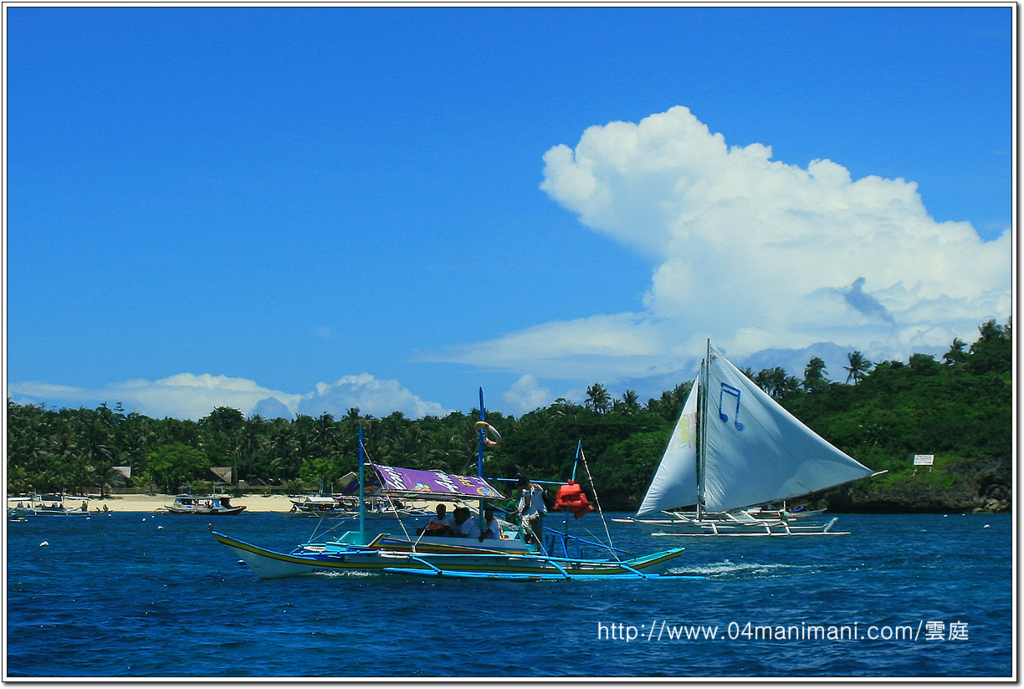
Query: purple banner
pixel 432 482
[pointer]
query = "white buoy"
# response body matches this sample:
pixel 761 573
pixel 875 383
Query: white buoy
pixel 159 527
pixel 44 543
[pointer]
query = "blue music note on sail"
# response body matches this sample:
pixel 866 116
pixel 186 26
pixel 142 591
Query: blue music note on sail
pixel 729 390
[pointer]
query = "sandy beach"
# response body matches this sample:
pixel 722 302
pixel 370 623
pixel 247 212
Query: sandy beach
pixel 253 503
pixel 148 503
pixel 151 503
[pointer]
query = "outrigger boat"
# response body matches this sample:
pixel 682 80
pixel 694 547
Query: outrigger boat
pixel 36 505
pixel 734 454
pixel 557 555
pixel 508 558
pixel 207 505
pixel 346 506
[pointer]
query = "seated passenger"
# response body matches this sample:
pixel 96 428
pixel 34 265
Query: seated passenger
pixel 492 528
pixel 441 525
pixel 465 525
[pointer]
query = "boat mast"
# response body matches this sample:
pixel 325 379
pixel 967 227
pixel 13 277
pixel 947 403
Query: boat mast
pixel 480 451
pixel 702 436
pixel 362 491
pixel 481 521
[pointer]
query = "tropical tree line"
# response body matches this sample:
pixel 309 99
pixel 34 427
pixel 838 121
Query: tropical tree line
pixel 958 408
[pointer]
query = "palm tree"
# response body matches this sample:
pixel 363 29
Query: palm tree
pixel 859 365
pixel 956 353
pixel 775 382
pixel 814 375
pixel 630 403
pixel 598 398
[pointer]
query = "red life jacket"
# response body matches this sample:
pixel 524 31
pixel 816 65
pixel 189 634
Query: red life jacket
pixel 572 497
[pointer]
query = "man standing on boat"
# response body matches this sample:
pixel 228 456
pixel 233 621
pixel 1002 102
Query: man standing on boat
pixel 532 509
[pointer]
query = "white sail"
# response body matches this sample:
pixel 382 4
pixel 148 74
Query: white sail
pixel 756 452
pixel 675 481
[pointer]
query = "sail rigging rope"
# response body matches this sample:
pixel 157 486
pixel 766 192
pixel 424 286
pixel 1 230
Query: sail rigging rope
pixel 598 503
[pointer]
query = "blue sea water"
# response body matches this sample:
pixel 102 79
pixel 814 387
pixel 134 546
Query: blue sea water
pixel 117 596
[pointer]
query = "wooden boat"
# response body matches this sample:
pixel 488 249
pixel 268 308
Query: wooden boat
pixel 207 505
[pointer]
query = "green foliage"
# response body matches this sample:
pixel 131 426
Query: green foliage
pixel 177 465
pixel 958 409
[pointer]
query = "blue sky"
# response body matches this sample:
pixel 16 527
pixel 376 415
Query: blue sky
pixel 299 210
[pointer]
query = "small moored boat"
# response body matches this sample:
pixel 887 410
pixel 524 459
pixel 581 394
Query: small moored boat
pixel 36 505
pixel 208 505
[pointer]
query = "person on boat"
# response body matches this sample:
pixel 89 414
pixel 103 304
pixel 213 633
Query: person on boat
pixel 441 524
pixel 532 509
pixel 465 525
pixel 493 528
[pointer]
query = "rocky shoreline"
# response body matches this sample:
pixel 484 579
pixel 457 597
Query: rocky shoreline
pixel 984 486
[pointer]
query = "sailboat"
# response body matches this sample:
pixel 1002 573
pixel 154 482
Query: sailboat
pixel 735 458
pixel 509 557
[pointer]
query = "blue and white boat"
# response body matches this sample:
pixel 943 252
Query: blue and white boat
pixel 557 556
pixel 36 505
pixel 206 505
pixel 560 556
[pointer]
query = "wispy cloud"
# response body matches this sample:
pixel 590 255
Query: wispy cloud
pixel 188 396
pixel 755 254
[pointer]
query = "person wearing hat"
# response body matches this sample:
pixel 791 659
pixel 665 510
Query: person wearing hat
pixel 532 509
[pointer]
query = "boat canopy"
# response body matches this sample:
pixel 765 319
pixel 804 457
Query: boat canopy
pixel 428 484
pixel 319 500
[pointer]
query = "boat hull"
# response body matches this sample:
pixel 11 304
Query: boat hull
pixel 45 512
pixel 354 514
pixel 732 528
pixel 204 511
pixel 385 554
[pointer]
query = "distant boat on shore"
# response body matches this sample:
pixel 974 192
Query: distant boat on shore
pixel 35 505
pixel 209 505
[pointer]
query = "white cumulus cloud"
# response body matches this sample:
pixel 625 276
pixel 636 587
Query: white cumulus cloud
pixel 370 395
pixel 753 253
pixel 525 395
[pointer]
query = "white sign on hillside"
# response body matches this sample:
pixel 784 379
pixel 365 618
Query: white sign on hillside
pixel 924 460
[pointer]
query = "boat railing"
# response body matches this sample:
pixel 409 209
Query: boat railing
pixel 561 542
pixel 558 563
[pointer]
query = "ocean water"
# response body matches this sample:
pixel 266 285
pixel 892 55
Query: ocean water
pixel 902 596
